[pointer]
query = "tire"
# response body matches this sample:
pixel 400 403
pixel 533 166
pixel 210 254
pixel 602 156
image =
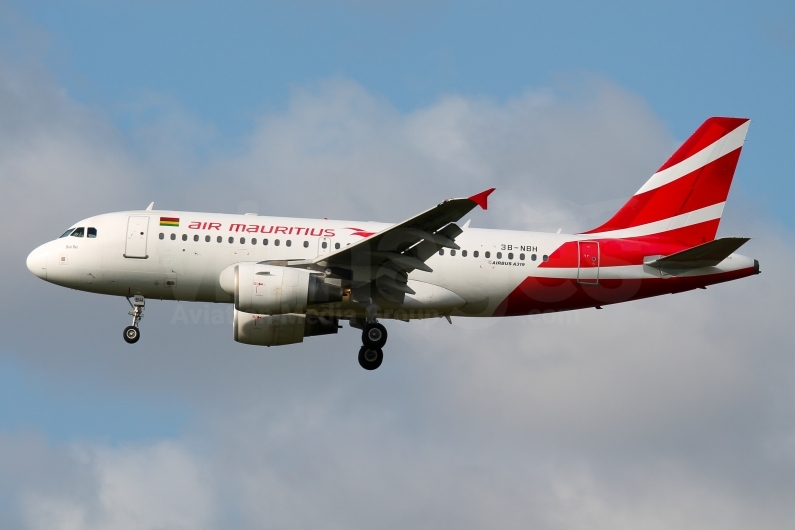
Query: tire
pixel 131 334
pixel 374 335
pixel 370 358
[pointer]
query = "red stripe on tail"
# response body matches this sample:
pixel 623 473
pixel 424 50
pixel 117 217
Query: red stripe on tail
pixel 699 189
pixel 672 195
pixel 710 131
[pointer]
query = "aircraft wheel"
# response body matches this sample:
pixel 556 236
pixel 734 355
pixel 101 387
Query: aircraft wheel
pixel 370 358
pixel 131 334
pixel 374 335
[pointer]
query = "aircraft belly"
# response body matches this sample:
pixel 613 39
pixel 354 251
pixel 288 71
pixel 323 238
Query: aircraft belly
pixel 428 296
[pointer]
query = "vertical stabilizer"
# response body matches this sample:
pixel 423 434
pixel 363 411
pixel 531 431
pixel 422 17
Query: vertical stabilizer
pixel 683 201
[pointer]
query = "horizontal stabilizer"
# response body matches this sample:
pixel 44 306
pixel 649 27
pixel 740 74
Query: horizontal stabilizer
pixel 706 255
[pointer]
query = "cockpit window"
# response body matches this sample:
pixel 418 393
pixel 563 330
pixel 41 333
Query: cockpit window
pixel 92 232
pixel 67 233
pixel 78 232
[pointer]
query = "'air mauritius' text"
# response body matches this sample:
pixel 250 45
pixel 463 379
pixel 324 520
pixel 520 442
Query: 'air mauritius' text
pixel 265 229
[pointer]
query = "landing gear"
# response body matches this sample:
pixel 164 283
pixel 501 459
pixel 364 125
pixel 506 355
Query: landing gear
pixel 373 339
pixel 374 335
pixel 132 333
pixel 370 358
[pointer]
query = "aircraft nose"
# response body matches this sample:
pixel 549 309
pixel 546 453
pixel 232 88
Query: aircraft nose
pixel 37 262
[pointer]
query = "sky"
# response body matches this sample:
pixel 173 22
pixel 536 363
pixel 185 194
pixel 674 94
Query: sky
pixel 669 412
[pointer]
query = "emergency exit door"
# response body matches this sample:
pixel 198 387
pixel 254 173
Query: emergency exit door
pixel 137 230
pixel 588 270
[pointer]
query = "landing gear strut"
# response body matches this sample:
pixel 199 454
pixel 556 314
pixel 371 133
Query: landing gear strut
pixel 132 333
pixel 373 339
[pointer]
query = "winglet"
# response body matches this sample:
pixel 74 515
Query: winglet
pixel 481 198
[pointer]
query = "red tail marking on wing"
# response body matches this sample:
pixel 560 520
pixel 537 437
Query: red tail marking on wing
pixel 481 199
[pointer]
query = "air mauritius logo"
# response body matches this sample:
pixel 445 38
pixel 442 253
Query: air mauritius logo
pixel 169 221
pixel 359 232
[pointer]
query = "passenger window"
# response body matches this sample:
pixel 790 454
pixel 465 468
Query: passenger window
pixel 452 252
pixel 464 253
pixel 324 244
pixel 521 257
pixel 219 239
pixel 264 241
pixel 184 237
pixel 92 232
pixel 173 237
pixel 532 257
pixel 510 255
pixel 545 257
pixel 162 235
pixel 67 233
pixel 288 243
pixel 276 242
pixel 488 254
pixel 441 252
pixel 78 232
pixel 499 255
pixel 336 246
pixel 306 244
pixel 196 237
pixel 476 253
pixel 253 240
pixel 206 239
pixel 242 240
pixel 231 240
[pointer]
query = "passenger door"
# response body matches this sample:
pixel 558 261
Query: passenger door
pixel 137 231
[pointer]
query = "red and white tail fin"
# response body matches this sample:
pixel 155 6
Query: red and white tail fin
pixel 683 201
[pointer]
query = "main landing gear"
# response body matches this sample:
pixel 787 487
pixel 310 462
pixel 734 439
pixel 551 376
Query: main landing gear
pixel 132 333
pixel 373 339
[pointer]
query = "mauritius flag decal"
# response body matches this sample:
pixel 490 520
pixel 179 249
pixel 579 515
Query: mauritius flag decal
pixel 169 221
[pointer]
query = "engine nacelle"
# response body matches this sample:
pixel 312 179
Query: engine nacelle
pixel 272 290
pixel 278 330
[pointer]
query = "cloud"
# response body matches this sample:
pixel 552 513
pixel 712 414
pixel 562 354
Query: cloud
pixel 157 486
pixel 660 413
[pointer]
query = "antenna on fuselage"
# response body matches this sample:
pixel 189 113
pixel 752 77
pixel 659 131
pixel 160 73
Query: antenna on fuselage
pixel 151 205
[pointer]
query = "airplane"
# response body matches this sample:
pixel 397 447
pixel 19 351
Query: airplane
pixel 291 278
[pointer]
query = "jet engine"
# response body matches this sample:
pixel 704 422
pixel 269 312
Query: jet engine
pixel 273 290
pixel 277 330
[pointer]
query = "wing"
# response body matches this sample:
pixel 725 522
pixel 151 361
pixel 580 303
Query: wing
pixel 381 262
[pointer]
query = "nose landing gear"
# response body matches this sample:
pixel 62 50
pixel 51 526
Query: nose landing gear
pixel 132 333
pixel 373 339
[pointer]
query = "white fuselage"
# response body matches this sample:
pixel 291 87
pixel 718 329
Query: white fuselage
pixel 133 254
